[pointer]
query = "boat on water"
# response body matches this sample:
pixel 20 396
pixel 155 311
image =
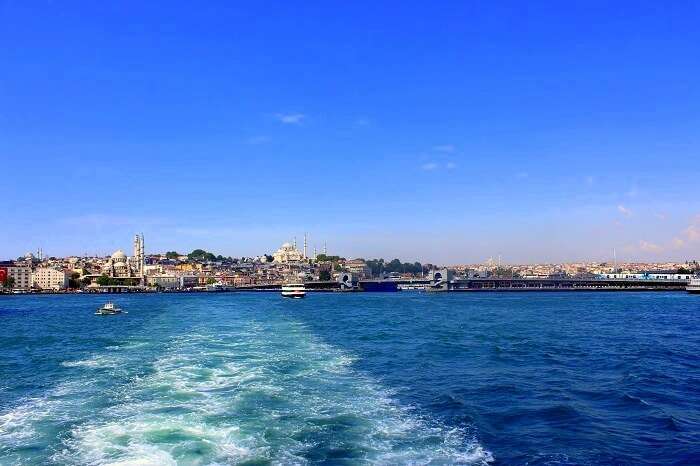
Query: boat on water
pixel 694 286
pixel 108 309
pixel 294 290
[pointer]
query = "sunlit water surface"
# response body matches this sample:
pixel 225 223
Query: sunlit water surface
pixel 402 378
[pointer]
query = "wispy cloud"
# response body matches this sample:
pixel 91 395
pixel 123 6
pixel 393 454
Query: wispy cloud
pixel 692 233
pixel 522 175
pixel 447 148
pixel 433 166
pixel 589 181
pixel 660 215
pixel 290 118
pixel 689 235
pixel 257 140
pixel 624 210
pixel 647 246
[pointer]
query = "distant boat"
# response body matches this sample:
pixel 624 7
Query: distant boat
pixel 294 290
pixel 108 309
pixel 694 286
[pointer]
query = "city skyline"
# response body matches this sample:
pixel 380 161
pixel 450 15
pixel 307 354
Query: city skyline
pixel 447 135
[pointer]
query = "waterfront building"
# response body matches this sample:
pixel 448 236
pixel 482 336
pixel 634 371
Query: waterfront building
pixel 287 253
pixel 358 267
pixel 166 282
pixel 21 276
pixel 47 278
pixel 189 281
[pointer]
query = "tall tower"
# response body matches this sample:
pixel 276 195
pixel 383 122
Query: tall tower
pixel 304 245
pixel 325 248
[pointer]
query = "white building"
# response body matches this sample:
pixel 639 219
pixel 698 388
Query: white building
pixel 46 278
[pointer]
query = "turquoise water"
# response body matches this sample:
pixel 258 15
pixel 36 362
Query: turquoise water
pixel 403 378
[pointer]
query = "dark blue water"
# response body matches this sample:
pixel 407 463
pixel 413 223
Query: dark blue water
pixel 531 378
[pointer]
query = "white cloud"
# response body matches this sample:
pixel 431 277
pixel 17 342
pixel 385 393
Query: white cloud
pixel 646 246
pixel 624 210
pixel 430 166
pixel 290 118
pixel 449 148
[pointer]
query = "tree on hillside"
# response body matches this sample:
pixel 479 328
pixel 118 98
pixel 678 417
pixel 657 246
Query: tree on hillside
pixel 201 255
pixel 172 255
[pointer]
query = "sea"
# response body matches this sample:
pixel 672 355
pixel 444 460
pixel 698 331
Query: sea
pixel 530 378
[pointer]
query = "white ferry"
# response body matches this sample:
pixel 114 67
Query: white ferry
pixel 294 290
pixel 107 310
pixel 694 285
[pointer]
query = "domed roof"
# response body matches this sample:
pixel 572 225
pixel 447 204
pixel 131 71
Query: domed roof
pixel 119 254
pixel 286 246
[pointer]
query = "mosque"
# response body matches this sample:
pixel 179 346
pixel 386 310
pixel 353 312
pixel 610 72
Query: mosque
pixel 289 253
pixel 120 266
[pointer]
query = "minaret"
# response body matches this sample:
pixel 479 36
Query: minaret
pixel 304 245
pixel 295 242
pixel 325 248
pixel 142 263
pixel 139 256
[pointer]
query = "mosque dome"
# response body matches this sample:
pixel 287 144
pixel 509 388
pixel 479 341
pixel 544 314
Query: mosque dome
pixel 119 255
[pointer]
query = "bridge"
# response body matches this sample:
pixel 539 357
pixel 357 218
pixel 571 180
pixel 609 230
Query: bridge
pixel 490 284
pixel 564 284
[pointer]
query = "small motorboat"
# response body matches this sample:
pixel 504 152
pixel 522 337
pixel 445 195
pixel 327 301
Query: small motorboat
pixel 108 309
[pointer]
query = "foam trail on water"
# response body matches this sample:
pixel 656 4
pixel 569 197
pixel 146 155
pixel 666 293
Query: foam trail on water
pixel 266 391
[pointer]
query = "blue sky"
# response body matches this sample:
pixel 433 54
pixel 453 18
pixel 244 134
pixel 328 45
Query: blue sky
pixel 441 131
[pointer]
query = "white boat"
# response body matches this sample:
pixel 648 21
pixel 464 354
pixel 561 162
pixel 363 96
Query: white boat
pixel 694 286
pixel 294 290
pixel 108 309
